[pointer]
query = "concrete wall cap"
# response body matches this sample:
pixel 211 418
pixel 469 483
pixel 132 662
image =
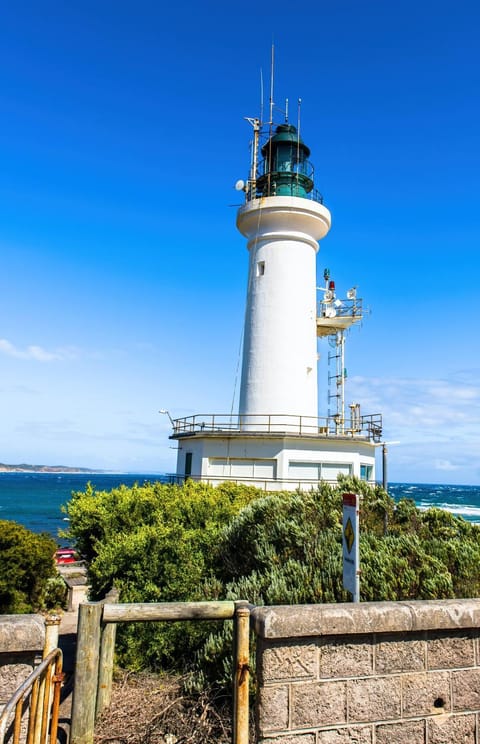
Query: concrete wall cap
pixel 21 633
pixel 297 621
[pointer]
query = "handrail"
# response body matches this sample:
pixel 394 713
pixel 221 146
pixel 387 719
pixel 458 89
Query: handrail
pixel 346 309
pixel 37 730
pixel 367 426
pixel 155 611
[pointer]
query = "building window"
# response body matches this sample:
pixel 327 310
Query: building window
pixel 260 268
pixel 366 472
pixel 242 469
pixel 188 464
pixel 304 470
pixel 328 471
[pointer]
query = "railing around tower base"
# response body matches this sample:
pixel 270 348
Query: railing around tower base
pixel 368 427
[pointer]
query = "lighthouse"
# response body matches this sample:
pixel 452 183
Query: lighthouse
pixel 283 223
pixel 279 440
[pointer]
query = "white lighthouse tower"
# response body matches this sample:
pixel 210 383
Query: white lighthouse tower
pixel 278 440
pixel 283 227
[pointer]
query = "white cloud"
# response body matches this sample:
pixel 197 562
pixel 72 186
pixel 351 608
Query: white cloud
pixel 38 353
pixel 436 422
pixel 431 409
pixel 445 465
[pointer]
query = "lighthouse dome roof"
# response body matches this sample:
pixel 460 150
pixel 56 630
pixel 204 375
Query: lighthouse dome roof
pixel 286 133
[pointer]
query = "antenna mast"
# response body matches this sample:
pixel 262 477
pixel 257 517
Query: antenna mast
pixel 270 124
pixel 299 103
pixel 272 63
pixel 261 95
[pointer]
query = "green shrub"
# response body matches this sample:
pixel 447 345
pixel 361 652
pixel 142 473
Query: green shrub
pixel 56 593
pixel 161 543
pixel 26 565
pixel 155 543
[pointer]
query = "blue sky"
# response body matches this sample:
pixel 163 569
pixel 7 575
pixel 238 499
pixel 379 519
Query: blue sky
pixel 123 277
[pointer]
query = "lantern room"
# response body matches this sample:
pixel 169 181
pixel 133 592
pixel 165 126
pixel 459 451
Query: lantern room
pixel 285 170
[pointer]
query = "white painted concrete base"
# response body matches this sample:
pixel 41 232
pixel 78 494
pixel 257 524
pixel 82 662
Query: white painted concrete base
pixel 275 462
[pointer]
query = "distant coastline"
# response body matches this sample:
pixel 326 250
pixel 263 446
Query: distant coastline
pixel 24 468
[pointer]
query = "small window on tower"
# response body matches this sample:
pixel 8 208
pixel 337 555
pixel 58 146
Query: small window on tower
pixel 260 268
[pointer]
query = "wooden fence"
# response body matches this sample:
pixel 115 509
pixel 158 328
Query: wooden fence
pixel 95 652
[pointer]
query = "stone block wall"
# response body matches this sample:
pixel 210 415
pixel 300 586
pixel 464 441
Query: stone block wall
pixel 22 638
pixel 370 673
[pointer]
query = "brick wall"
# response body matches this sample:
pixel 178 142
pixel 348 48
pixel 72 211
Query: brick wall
pixel 370 673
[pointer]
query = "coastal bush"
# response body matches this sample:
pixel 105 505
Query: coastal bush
pixel 287 549
pixel 56 593
pixel 155 543
pixel 177 543
pixel 26 565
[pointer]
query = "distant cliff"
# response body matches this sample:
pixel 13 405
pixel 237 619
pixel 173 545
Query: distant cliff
pixel 24 468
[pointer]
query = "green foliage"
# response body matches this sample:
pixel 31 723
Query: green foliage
pixel 155 543
pixel 26 565
pixel 287 549
pixel 56 593
pixel 171 543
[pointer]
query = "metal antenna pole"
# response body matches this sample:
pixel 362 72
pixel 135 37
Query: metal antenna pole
pixel 271 84
pixel 270 125
pixel 261 95
pixel 298 136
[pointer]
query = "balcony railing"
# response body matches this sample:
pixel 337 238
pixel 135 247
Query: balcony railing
pixel 368 427
pixel 253 192
pixel 343 309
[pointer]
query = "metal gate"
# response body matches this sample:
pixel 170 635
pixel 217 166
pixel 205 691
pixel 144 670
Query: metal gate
pixel 34 703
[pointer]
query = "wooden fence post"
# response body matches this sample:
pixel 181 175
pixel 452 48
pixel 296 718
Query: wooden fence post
pixel 52 626
pixel 241 673
pixel 86 673
pixel 107 651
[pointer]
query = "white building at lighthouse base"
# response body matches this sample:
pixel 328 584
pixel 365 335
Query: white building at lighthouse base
pixel 215 448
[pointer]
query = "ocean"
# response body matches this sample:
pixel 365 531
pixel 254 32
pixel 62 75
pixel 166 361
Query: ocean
pixel 35 499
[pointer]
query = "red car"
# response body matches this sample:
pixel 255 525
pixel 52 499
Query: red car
pixel 65 555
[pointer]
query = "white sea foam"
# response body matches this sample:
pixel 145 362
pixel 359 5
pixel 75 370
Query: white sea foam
pixel 470 511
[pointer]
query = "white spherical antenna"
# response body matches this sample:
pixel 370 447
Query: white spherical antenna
pixel 240 185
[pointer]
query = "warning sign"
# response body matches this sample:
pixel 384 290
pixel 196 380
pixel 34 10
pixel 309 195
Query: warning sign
pixel 351 553
pixel 349 535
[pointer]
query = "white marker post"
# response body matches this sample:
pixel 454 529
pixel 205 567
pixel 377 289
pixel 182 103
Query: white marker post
pixel 350 541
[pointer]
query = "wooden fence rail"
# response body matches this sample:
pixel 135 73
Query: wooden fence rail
pixel 95 651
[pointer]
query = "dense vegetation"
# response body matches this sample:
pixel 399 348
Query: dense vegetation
pixel 155 543
pixel 26 569
pixel 164 543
